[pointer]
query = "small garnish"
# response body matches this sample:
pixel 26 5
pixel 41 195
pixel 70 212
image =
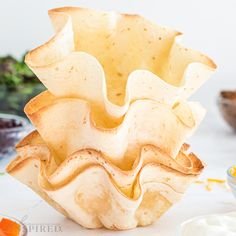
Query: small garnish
pixel 210 182
pixel 219 181
pixel 208 187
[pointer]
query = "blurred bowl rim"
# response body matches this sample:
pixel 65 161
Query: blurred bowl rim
pixel 228 172
pixel 23 228
pixel 23 120
pixel 221 100
pixel 231 180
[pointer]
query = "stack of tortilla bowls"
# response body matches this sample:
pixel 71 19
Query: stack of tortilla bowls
pixel 109 149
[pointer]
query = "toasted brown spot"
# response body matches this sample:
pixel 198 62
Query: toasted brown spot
pixel 185 147
pixel 119 74
pixel 71 69
pixel 130 15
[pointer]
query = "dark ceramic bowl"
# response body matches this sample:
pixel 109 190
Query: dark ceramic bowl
pixel 23 228
pixel 12 129
pixel 227 105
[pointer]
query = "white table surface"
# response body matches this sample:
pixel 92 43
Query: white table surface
pixel 216 146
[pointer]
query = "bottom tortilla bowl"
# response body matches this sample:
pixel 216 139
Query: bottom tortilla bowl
pixel 89 189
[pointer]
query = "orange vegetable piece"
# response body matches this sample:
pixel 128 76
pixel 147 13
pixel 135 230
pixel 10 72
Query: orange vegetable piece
pixel 2 233
pixel 9 228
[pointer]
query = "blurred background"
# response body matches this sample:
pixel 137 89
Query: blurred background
pixel 208 25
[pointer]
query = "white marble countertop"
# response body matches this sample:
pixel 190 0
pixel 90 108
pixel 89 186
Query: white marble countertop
pixel 214 143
